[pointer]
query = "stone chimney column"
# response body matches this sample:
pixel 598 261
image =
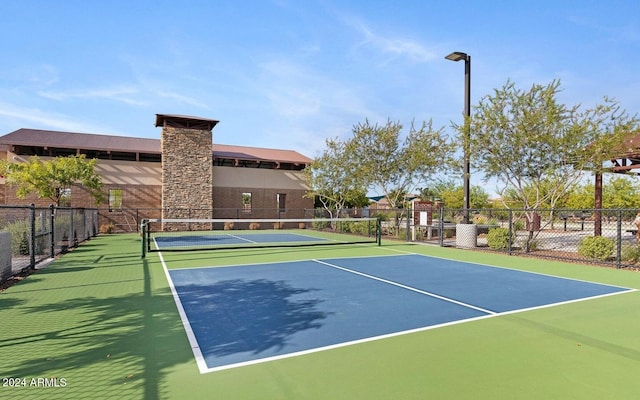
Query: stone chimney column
pixel 187 166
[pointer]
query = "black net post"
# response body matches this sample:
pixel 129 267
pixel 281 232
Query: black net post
pixel 143 231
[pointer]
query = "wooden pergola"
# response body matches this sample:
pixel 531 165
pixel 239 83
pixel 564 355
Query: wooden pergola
pixel 627 161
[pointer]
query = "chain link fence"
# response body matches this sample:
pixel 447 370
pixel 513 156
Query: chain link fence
pixel 599 236
pixel 29 234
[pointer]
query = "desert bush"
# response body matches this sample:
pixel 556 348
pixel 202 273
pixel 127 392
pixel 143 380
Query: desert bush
pixel 321 224
pixel 357 227
pixel 499 238
pixel 19 236
pixel 107 228
pixel 596 247
pixel 631 253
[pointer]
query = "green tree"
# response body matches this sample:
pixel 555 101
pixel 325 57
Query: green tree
pixel 53 178
pixel 332 180
pixel 538 147
pixel 620 192
pixel 395 167
pixel 581 197
pixel 451 194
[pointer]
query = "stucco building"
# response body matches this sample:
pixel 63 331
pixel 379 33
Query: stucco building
pixel 182 174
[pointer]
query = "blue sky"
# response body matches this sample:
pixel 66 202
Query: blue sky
pixel 291 73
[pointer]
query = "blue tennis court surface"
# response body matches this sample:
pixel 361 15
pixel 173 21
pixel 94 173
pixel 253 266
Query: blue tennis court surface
pixel 238 315
pixel 222 239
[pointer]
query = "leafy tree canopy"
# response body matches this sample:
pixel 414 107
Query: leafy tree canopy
pixel 51 178
pixel 377 158
pixel 394 166
pixel 535 145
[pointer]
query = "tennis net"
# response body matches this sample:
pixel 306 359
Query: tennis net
pixel 211 234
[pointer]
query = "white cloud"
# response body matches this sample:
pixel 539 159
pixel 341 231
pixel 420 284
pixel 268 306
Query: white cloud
pixel 394 46
pixel 121 94
pixel 36 118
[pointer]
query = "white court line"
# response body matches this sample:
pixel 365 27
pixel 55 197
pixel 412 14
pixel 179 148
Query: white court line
pixel 193 342
pixel 241 238
pixel 484 310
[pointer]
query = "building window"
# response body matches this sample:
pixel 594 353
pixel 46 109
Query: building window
pixel 281 200
pixel 246 202
pixel 64 197
pixel 115 199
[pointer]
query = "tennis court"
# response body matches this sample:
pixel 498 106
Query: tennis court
pixel 356 321
pixel 241 314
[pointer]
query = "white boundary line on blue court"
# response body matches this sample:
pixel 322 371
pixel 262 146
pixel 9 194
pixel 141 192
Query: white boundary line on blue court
pixel 201 362
pixel 193 342
pixel 628 289
pixel 241 238
pixel 400 285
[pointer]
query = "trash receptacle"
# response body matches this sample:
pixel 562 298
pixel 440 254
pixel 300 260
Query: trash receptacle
pixel 466 235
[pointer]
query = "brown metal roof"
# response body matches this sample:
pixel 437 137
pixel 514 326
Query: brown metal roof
pixel 71 140
pixel 185 121
pixel 57 139
pixel 258 154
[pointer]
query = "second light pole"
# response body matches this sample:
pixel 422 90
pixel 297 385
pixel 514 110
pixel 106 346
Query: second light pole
pixel 460 56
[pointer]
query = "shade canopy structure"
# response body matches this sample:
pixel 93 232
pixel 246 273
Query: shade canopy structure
pixel 625 162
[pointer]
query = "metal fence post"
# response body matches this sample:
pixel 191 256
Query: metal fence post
pixel 511 233
pixel 32 228
pixel 408 224
pixel 51 231
pixel 441 227
pixel 72 228
pixel 619 240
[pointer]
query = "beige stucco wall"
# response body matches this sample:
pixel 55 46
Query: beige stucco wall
pixel 129 172
pixel 258 178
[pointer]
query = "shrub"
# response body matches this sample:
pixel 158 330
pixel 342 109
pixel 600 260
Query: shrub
pixel 596 247
pixel 228 226
pixel 499 238
pixel 107 228
pixel 357 227
pixel 631 253
pixel 320 224
pixel 518 225
pixel 24 245
pixel 254 226
pixel 19 239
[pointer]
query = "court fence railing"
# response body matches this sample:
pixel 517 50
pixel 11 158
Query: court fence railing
pixel 598 236
pixel 593 236
pixel 30 235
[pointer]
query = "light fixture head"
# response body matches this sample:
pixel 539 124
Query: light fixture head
pixel 457 56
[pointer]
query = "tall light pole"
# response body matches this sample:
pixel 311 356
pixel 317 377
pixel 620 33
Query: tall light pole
pixel 459 56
